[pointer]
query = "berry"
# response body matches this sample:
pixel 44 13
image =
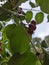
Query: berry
pixel 20 10
pixel 32 27
pixel 33 22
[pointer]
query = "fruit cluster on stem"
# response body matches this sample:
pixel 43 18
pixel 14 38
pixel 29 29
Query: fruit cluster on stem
pixel 32 27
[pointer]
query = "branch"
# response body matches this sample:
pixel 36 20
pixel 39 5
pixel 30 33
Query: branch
pixel 30 40
pixel 12 12
pixel 28 36
pixel 30 9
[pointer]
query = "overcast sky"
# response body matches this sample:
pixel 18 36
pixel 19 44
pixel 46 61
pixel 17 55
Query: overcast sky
pixel 42 29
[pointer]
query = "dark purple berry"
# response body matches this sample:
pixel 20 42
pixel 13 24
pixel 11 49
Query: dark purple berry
pixel 30 29
pixel 20 10
pixel 33 22
pixel 34 27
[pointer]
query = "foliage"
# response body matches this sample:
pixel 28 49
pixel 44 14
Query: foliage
pixel 28 16
pixel 16 45
pixel 39 17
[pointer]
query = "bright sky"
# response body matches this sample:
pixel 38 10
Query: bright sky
pixel 42 29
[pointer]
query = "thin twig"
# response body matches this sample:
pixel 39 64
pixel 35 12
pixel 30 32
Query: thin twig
pixel 30 9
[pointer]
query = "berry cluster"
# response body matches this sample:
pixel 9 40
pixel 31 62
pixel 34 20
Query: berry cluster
pixel 32 27
pixel 19 10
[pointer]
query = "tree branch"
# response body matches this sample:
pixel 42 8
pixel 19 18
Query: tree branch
pixel 30 40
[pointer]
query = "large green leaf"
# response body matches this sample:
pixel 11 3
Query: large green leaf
pixel 25 59
pixel 28 16
pixel 4 15
pixel 39 17
pixel 44 5
pixel 39 2
pixel 17 37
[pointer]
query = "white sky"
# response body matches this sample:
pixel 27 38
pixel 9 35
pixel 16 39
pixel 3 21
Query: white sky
pixel 42 29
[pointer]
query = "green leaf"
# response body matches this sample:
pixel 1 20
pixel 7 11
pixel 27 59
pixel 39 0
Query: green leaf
pixel 24 59
pixel 28 16
pixel 4 15
pixel 18 40
pixel 39 2
pixel 46 59
pixel 39 17
pixel 32 4
pixel 16 19
pixel 45 6
pixel 22 18
pixel 7 5
pixel 47 40
pixel 43 44
pixel 38 62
